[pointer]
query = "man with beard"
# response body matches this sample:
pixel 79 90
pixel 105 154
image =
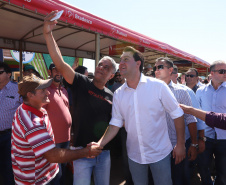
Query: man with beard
pixel 59 115
pixel 119 81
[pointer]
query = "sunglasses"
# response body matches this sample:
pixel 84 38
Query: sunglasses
pixel 159 67
pixel 220 71
pixel 1 72
pixel 191 76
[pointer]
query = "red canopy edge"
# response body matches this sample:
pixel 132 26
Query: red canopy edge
pixel 91 22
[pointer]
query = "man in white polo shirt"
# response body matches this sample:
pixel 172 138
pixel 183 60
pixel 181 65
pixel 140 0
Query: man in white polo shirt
pixel 142 103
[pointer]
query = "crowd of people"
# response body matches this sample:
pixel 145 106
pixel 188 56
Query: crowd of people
pixel 167 124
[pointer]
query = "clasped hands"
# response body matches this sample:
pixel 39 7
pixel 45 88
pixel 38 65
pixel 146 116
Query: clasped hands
pixel 94 149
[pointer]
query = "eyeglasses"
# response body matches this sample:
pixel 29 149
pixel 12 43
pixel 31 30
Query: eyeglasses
pixel 159 67
pixel 220 71
pixel 191 76
pixel 105 67
pixel 1 72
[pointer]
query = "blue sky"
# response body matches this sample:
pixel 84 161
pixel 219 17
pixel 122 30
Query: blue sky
pixel 194 26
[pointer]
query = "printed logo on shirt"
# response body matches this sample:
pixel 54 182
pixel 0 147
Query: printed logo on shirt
pixel 98 96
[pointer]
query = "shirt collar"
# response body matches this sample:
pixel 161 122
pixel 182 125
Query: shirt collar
pixel 171 84
pixel 224 84
pixel 34 110
pixel 210 84
pixel 8 85
pixel 143 79
pixel 55 87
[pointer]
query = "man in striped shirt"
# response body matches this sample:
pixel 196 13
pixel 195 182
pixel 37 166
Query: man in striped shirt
pixel 34 153
pixel 180 173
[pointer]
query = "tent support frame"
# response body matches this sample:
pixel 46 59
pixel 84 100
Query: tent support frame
pixel 97 48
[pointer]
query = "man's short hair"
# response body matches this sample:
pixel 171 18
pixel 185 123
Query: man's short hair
pixel 137 55
pixel 90 75
pixel 194 70
pixel 112 62
pixel 81 69
pixel 212 66
pixel 6 67
pixel 166 60
pixel 175 69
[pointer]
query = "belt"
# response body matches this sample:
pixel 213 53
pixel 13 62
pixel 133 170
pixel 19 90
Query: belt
pixel 5 131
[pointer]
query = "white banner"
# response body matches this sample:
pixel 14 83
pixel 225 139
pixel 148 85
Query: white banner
pixel 26 56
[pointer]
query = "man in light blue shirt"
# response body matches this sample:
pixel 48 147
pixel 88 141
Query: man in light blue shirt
pixel 10 100
pixel 212 97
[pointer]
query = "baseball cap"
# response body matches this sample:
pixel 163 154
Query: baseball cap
pixel 28 66
pixel 51 66
pixel 31 83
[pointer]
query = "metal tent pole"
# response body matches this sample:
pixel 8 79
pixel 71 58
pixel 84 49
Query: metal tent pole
pixel 97 48
pixel 21 62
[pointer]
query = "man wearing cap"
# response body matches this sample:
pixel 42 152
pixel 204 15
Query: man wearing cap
pixel 10 100
pixel 34 153
pixel 29 69
pixel 59 115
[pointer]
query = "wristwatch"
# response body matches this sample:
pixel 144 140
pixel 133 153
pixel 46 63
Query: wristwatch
pixel 203 138
pixel 195 145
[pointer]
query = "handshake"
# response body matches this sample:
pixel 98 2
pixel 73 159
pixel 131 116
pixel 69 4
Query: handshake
pixel 94 149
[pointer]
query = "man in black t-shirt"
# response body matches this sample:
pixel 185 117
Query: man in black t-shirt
pixel 92 109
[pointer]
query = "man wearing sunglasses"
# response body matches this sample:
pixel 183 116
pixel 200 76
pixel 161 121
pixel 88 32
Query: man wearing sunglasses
pixel 180 172
pixel 212 97
pixel 191 78
pixel 10 100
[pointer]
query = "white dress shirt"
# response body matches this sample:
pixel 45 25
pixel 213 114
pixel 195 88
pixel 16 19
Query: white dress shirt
pixel 144 111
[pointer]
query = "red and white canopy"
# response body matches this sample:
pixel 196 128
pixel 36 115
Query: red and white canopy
pixel 21 26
